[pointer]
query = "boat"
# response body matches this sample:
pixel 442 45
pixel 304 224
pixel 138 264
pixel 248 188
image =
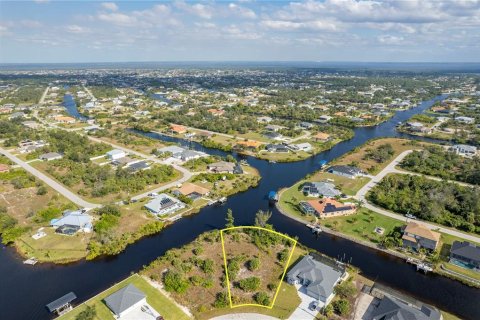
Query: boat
pixel 272 197
pixel 323 163
pixel 244 162
pixel 272 161
pixel 221 200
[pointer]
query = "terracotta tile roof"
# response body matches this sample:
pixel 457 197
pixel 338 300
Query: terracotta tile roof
pixel 4 167
pixel 422 231
pixel 249 143
pixel 178 128
pixel 189 188
pixel 328 205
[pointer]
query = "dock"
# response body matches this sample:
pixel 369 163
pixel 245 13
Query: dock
pixel 421 265
pixel 314 227
pixel 32 261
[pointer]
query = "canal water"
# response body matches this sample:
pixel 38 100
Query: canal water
pixel 24 291
pixel 71 106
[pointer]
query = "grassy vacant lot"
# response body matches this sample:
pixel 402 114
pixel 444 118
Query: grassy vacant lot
pixel 131 140
pixel 200 268
pixel 54 247
pixel 357 155
pixel 155 298
pixel 362 224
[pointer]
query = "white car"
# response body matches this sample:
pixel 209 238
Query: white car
pixel 411 216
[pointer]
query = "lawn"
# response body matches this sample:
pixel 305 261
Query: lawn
pixel 348 186
pixel 362 224
pixel 466 272
pixel 448 316
pixel 54 247
pixel 155 298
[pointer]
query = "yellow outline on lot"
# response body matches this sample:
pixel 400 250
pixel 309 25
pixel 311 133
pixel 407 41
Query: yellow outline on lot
pixel 284 269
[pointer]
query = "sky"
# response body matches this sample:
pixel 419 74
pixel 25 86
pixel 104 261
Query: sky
pixel 245 30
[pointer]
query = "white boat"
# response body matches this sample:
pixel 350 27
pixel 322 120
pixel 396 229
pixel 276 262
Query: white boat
pixel 32 261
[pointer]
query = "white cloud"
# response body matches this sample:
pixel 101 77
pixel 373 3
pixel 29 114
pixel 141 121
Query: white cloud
pixel 31 23
pixel 110 6
pixel 198 9
pixel 242 11
pixel 390 40
pixel 117 19
pixel 77 29
pixel 315 25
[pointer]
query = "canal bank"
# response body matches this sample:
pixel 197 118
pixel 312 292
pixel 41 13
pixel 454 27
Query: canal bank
pixel 26 290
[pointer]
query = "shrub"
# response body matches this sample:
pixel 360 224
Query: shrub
pixel 283 255
pixel 221 300
pixel 345 289
pixel 341 307
pixel 253 264
pixel 42 190
pixel 262 298
pixel 109 209
pixel 174 282
pixel 249 284
pixel 88 314
pixel 47 214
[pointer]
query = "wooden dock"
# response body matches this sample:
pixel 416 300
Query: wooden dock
pixel 421 265
pixel 314 227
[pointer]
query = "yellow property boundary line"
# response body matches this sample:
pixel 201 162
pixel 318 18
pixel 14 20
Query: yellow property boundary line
pixel 284 269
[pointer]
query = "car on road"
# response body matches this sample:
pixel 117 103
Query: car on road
pixel 313 306
pixel 410 216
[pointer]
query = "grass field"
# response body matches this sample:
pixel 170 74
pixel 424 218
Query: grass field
pixel 466 272
pixel 155 298
pixel 54 247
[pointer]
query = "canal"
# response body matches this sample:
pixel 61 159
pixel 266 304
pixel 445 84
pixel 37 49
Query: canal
pixel 25 290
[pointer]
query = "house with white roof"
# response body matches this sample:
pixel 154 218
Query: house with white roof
pixel 164 204
pixel 116 154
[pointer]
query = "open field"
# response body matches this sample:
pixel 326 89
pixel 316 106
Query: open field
pixel 155 298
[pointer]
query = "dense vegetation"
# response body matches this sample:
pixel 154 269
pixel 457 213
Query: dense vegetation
pixel 380 154
pixel 436 161
pixel 431 200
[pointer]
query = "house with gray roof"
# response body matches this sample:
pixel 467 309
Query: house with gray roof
pixel 50 156
pixel 464 150
pixel 391 308
pixel 124 300
pixel 72 221
pixel 345 171
pixel 316 277
pixel 317 189
pixel 465 252
pixel 164 204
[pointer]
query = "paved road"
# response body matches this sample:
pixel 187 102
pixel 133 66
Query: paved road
pixel 42 99
pixel 391 169
pixel 52 183
pixel 186 175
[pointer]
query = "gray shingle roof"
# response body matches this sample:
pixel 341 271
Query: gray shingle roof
pixel 124 298
pixel 394 309
pixel 321 277
pixel 466 249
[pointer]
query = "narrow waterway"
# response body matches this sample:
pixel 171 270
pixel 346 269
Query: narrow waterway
pixel 24 291
pixel 71 107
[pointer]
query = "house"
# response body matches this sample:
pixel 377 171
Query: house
pixel 27 146
pixel 50 156
pixel 465 253
pixel 317 189
pixel 327 208
pixel 64 119
pixel 417 127
pixel 391 308
pixel 173 150
pixel 115 154
pixel 125 300
pixel 138 166
pixel 464 150
pixel 466 120
pixel 417 236
pixel 273 135
pixel 274 128
pixel 321 137
pixel 317 278
pixel 31 124
pixel 222 167
pixel 192 191
pixel 71 222
pixel 306 125
pixel 324 119
pixel 249 144
pixel 187 155
pixel 181 153
pixel 264 119
pixel 345 171
pixel 178 129
pixel 164 204
pixel 306 147
pixel 16 115
pixel 278 148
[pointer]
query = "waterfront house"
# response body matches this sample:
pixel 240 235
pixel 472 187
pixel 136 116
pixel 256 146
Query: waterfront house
pixel 192 191
pixel 321 137
pixel 249 144
pixel 222 167
pixel 466 253
pixel 317 189
pixel 317 278
pixel 164 204
pixel 417 236
pixel 306 147
pixel 464 150
pixel 115 154
pixel 50 156
pixel 277 148
pixel 177 129
pixel 125 300
pixel 72 221
pixel 391 308
pixel 466 120
pixel 327 208
pixel 345 171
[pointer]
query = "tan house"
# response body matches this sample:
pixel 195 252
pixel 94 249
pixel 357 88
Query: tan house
pixel 175 128
pixel 192 191
pixel 327 208
pixel 417 236
pixel 322 137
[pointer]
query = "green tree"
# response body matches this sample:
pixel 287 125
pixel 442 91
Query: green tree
pixel 88 314
pixel 249 284
pixel 230 219
pixel 262 217
pixel 262 298
pixel 253 264
pixel 341 307
pixel 174 282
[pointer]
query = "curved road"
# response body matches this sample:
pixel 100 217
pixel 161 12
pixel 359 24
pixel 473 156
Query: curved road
pixel 390 168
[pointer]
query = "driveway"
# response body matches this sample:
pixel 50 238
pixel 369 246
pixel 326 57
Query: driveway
pixel 303 312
